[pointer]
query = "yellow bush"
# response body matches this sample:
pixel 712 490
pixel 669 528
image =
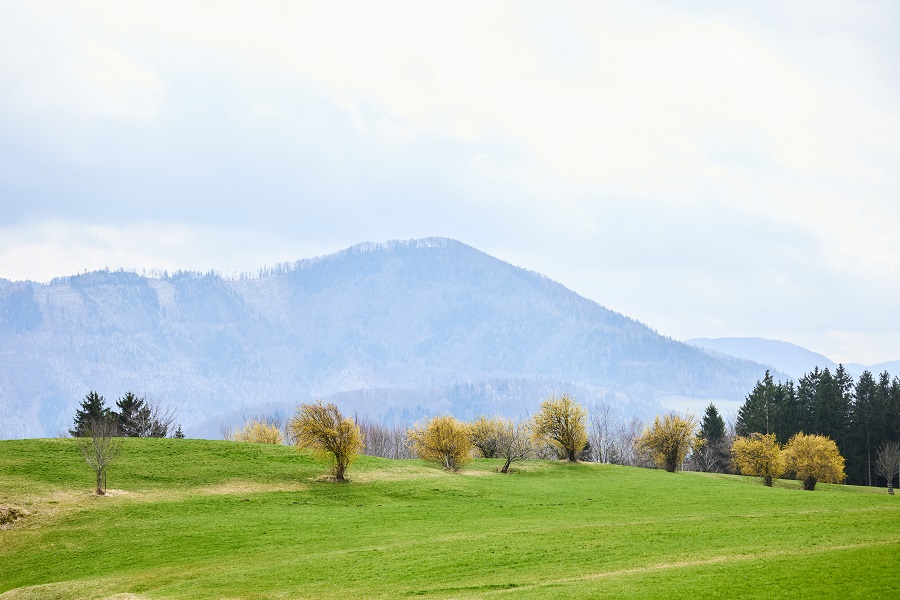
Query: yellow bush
pixel 324 430
pixel 445 440
pixel 260 433
pixel 668 440
pixel 813 458
pixel 758 455
pixel 561 422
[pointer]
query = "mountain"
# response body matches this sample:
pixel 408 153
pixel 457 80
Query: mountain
pixel 788 358
pixel 392 331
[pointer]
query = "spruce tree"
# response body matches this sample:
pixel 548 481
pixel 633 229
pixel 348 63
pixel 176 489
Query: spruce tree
pixel 129 415
pixel 713 454
pixel 861 455
pixel 93 408
pixel 757 413
pixel 712 429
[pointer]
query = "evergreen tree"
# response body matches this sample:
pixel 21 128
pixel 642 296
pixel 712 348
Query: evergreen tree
pixel 889 409
pixel 788 414
pixel 861 453
pixel 93 408
pixel 179 435
pixel 757 413
pixel 843 408
pixel 806 399
pixel 130 415
pixel 713 453
pixel 138 417
pixel 712 429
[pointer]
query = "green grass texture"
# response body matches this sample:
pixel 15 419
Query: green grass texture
pixel 211 519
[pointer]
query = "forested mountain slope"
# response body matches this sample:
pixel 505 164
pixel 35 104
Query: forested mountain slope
pixel 392 331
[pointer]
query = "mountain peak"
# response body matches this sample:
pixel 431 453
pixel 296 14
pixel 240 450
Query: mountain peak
pixel 395 330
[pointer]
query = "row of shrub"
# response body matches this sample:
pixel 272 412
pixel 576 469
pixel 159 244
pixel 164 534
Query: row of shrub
pixel 559 430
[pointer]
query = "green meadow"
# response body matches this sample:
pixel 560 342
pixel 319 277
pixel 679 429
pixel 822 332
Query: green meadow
pixel 208 519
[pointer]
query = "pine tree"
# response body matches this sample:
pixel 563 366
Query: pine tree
pixel 861 453
pixel 129 415
pixel 178 433
pixel 806 399
pixel 843 408
pixel 712 429
pixel 93 408
pixel 757 413
pixel 713 451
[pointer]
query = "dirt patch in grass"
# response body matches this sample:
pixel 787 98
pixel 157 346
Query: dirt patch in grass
pixel 9 515
pixel 239 487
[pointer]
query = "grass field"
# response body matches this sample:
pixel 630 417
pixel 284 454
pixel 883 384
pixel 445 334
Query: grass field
pixel 204 519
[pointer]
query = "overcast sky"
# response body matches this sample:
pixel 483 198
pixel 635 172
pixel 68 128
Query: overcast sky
pixel 709 169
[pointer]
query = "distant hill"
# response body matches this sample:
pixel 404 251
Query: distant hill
pixel 784 356
pixel 393 331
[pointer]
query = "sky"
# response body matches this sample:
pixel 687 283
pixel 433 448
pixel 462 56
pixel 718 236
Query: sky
pixel 710 169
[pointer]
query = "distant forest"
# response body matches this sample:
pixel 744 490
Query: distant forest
pixel 860 417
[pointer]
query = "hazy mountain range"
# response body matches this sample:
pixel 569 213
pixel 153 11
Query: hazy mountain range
pixel 785 357
pixel 392 331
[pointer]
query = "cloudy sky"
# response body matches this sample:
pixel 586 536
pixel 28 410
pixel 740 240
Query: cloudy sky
pixel 709 170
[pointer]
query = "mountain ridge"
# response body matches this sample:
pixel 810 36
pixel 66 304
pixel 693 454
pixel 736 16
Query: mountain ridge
pixel 454 328
pixel 783 356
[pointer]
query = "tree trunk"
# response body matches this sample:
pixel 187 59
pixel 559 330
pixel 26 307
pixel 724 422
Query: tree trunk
pixel 339 473
pixel 671 465
pixel 767 480
pixel 505 468
pixel 891 486
pixel 100 491
pixel 809 483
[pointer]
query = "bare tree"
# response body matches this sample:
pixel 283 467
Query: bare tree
pixel 713 456
pixel 513 442
pixel 887 463
pixel 386 441
pixel 100 447
pixel 622 449
pixel 601 437
pixel 151 420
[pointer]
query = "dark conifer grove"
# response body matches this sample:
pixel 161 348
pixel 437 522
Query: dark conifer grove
pixel 859 416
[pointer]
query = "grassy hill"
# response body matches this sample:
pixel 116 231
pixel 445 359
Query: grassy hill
pixel 204 519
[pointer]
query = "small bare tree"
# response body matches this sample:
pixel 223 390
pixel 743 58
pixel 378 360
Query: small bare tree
pixel 386 441
pixel 100 447
pixel 513 442
pixel 624 440
pixel 601 437
pixel 152 420
pixel 887 463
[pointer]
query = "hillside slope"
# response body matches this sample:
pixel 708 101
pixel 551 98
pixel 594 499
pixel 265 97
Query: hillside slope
pixel 197 519
pixel 394 331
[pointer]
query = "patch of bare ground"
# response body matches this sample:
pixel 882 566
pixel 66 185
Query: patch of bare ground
pixel 240 487
pixel 64 591
pixel 9 515
pixel 396 473
pixel 43 509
